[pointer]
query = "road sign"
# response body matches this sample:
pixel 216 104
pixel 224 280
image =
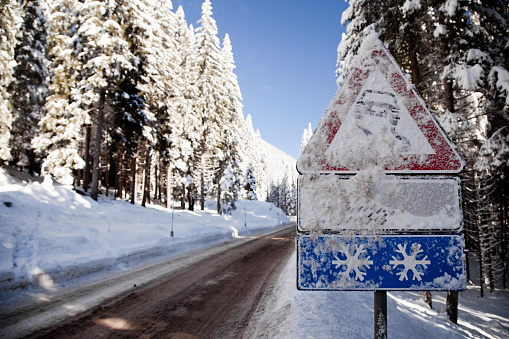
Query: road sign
pixel 387 262
pixel 336 203
pixel 378 118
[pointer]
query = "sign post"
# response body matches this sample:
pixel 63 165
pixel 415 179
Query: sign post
pixel 380 309
pixel 379 207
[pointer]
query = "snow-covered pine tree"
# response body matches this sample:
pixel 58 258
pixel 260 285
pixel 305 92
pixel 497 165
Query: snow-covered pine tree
pixel 31 80
pixel 477 71
pixel 184 123
pixel 164 85
pixel 250 184
pixel 230 187
pixel 231 124
pixel 491 53
pixel 250 150
pixel 61 126
pixel 10 19
pixel 104 59
pixel 210 100
pixel 428 40
pixel 136 127
pixel 361 18
pixel 306 135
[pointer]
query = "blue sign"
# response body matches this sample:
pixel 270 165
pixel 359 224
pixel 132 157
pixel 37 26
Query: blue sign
pixel 384 262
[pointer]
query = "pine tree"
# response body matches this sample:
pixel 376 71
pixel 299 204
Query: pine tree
pixel 61 126
pixel 230 187
pixel 184 136
pixel 30 86
pixel 104 57
pixel 306 135
pixel 361 18
pixel 210 101
pixel 10 19
pixel 250 184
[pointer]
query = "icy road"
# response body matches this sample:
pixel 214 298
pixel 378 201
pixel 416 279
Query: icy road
pixel 211 292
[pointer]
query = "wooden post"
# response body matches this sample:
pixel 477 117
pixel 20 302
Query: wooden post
pixel 380 311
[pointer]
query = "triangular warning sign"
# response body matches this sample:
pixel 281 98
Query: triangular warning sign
pixel 378 118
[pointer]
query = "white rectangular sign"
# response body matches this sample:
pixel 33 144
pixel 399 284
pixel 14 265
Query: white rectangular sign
pixel 336 203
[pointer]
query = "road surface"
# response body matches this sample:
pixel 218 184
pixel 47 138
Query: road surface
pixel 214 296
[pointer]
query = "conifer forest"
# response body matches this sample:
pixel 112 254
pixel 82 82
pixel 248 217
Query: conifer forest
pixel 125 97
pixel 456 53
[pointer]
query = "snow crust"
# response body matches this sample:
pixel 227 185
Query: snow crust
pixel 377 118
pixel 373 202
pixel 49 230
pixel 411 5
pixel 385 262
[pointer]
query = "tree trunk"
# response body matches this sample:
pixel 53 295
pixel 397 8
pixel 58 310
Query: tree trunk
pixel 426 296
pixel 219 175
pixel 414 65
pixel 86 176
pixel 120 171
pixel 94 191
pixel 451 306
pixel 169 195
pixel 160 183
pixel 31 162
pixel 449 95
pixel 117 169
pixel 183 197
pixel 156 181
pixel 503 254
pixel 146 189
pixel 478 234
pixel 190 197
pixel 108 169
pixel 133 179
pixel 489 264
pixel 219 209
pixel 202 184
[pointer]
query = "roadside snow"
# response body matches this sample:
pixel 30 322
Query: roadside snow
pixel 50 233
pixel 289 313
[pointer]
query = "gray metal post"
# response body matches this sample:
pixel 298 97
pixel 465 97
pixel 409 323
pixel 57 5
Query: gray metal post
pixel 380 311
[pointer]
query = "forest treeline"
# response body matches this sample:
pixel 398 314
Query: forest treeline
pixel 124 95
pixel 457 55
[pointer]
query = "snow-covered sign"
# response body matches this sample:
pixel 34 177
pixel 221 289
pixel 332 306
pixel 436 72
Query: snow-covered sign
pixel 336 203
pixel 388 262
pixel 378 118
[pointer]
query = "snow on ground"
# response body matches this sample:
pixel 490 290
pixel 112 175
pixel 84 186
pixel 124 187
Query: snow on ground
pixel 289 313
pixel 49 232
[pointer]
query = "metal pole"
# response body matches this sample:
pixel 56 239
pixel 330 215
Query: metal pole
pixel 172 210
pixel 245 218
pixel 380 311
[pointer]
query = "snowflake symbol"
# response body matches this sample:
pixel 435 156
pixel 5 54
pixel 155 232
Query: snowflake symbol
pixel 353 262
pixel 410 262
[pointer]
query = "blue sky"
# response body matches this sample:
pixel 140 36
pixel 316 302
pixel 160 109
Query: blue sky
pixel 285 52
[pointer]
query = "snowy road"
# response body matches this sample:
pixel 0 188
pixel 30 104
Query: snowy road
pixel 211 292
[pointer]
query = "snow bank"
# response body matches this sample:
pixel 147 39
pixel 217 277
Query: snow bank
pixel 48 230
pixel 289 313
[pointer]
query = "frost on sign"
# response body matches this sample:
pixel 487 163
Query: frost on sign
pixel 378 203
pixel 378 119
pixel 388 262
